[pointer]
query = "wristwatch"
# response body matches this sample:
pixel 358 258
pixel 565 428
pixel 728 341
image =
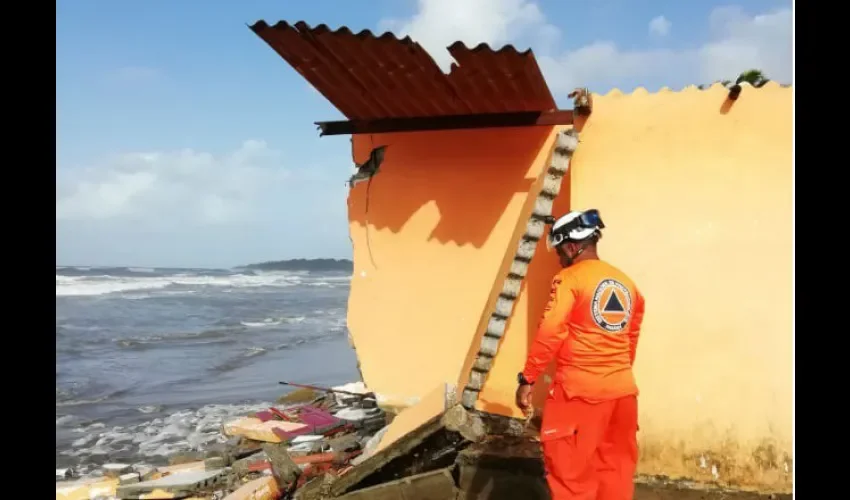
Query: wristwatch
pixel 521 380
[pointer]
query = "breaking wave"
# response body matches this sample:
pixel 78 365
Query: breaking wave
pixel 156 439
pixel 140 350
pixel 83 281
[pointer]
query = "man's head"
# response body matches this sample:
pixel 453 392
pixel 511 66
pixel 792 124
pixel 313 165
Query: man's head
pixel 572 252
pixel 574 236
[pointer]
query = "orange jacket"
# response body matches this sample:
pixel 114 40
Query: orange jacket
pixel 591 327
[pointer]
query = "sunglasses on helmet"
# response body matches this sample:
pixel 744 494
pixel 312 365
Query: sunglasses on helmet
pixel 586 220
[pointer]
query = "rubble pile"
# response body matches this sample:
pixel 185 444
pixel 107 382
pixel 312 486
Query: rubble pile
pixel 339 443
pixel 269 454
pixel 342 445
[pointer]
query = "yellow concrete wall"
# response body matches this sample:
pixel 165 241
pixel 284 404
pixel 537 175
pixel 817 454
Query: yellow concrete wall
pixel 431 406
pixel 696 191
pixel 431 249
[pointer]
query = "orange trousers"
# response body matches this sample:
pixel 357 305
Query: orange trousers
pixel 590 450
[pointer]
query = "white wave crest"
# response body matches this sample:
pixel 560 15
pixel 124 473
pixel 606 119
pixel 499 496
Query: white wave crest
pixel 272 322
pixel 102 285
pixel 181 431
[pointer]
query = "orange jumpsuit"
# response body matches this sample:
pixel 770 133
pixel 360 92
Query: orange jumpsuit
pixel 589 431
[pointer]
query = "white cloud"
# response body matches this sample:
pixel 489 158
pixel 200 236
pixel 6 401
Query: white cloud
pixel 439 23
pixel 741 42
pixel 191 186
pixel 659 26
pixel 196 208
pixel 738 41
pixel 601 66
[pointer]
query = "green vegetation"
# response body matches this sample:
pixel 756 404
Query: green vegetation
pixel 303 265
pixel 754 77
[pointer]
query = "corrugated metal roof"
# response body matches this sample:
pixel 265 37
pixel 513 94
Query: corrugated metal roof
pixel 371 77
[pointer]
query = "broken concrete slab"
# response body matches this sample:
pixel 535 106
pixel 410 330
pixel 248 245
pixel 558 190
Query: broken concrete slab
pixel 433 405
pixel 129 478
pixel 244 447
pixel 146 472
pixel 415 442
pixel 85 489
pixel 172 485
pixel 317 488
pixel 346 442
pixel 315 421
pixel 253 428
pixel 426 448
pixel 284 468
pixel 469 425
pixel 243 465
pixel 214 463
pixel 370 446
pixel 187 467
pixel 225 451
pixel 185 457
pixel 116 469
pixel 438 484
pixel 357 415
pixel 264 488
pixel 307 444
pixel 307 438
pixel 308 448
pixel 500 425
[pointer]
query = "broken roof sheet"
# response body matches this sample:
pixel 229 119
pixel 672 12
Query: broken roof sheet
pixel 371 77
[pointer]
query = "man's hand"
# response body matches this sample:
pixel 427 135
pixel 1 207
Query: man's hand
pixel 523 397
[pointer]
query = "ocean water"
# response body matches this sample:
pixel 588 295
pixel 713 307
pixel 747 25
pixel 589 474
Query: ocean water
pixel 151 361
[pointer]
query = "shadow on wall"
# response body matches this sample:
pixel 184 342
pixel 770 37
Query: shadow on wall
pixel 521 327
pixel 430 245
pixel 535 295
pixel 437 167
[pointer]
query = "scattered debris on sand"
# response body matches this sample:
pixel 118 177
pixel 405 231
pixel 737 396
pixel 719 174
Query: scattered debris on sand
pixel 344 445
pixel 268 454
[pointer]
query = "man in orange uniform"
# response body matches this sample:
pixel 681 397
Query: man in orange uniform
pixel 590 327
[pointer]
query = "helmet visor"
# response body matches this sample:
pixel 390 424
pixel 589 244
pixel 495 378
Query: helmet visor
pixel 591 219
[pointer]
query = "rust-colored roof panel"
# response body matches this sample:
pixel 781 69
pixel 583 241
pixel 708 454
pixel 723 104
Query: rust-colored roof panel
pixel 371 77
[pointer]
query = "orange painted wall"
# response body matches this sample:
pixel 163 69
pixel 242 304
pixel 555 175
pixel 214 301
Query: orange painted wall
pixel 428 254
pixel 696 191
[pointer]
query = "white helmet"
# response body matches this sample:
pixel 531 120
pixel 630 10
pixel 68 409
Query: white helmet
pixel 574 227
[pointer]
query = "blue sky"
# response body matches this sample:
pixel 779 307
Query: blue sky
pixel 184 140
